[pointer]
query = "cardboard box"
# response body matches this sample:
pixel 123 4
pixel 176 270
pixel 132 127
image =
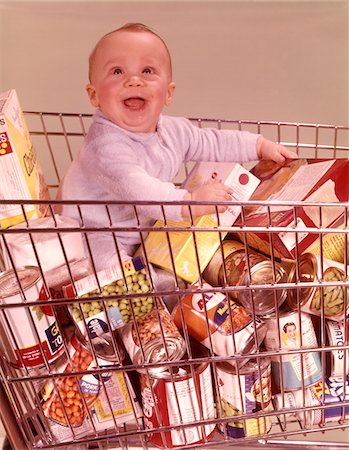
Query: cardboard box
pixel 20 173
pixel 297 180
pixel 181 243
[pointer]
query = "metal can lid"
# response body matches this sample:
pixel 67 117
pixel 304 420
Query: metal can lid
pixel 307 272
pixel 27 276
pixel 263 300
pixel 155 351
pixel 185 367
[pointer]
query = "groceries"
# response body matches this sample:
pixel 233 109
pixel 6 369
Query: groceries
pixel 30 244
pixel 297 180
pixel 330 292
pixel 20 172
pixel 238 267
pixel 181 394
pixel 219 324
pixel 105 312
pixel 243 391
pixel 30 336
pixel 293 331
pixel 190 253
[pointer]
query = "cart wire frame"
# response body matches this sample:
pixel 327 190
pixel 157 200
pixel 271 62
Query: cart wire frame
pixel 57 138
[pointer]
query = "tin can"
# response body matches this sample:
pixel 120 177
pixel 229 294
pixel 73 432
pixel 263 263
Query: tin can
pixel 245 391
pixel 153 338
pixel 217 322
pixel 179 396
pixel 242 269
pixel 65 400
pixel 293 331
pixel 337 360
pixel 30 334
pixel 330 395
pixel 331 296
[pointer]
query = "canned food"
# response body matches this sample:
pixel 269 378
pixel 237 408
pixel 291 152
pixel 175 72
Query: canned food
pixel 212 320
pixel 242 269
pixel 153 338
pixel 29 334
pixel 331 297
pixel 296 369
pixel 245 391
pixel 337 360
pixel 176 397
pixel 67 399
pixel 331 396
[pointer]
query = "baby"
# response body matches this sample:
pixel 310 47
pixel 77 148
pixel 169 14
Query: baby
pixel 133 152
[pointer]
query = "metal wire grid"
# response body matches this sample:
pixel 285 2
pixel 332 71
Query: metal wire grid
pixel 21 391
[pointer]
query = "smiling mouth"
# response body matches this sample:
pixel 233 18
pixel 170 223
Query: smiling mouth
pixel 134 103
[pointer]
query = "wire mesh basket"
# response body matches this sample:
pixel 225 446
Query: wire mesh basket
pixel 140 356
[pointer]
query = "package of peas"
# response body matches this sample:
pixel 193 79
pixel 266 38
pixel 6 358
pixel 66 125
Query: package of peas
pixel 111 299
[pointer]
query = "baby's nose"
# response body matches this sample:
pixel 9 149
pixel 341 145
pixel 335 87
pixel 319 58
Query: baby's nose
pixel 134 80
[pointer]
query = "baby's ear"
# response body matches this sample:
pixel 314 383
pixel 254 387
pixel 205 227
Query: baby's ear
pixel 92 95
pixel 170 90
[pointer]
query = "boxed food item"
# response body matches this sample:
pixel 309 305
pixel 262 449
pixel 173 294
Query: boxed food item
pixel 311 180
pixel 181 244
pixel 20 172
pixel 80 405
pixel 90 316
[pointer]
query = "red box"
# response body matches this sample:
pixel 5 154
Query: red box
pixel 311 180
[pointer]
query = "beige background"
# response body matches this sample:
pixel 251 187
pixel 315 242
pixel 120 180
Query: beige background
pixel 274 60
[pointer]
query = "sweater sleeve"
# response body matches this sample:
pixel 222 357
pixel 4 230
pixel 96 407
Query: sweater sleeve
pixel 209 144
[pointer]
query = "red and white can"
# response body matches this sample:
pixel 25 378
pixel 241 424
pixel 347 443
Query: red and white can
pixel 29 334
pixel 177 398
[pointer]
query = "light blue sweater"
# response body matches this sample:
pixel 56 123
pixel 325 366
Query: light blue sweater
pixel 116 164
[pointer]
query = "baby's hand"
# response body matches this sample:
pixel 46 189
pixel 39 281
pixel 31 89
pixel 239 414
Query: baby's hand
pixel 276 152
pixel 213 192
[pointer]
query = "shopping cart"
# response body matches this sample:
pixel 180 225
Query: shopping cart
pixel 57 138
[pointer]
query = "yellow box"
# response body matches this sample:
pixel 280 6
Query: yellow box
pixel 181 243
pixel 187 263
pixel 20 173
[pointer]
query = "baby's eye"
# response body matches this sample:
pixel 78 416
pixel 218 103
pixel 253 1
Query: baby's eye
pixel 148 70
pixel 117 71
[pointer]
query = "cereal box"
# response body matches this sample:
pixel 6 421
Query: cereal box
pixel 181 243
pixel 301 180
pixel 20 172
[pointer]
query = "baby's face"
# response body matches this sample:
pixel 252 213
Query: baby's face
pixel 131 79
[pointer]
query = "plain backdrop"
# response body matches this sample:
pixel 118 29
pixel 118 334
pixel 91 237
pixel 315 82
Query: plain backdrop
pixel 271 60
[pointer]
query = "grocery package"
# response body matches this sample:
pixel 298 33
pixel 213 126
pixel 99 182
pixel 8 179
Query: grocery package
pixel 179 395
pixel 182 244
pixel 29 336
pixel 20 172
pixel 219 324
pixel 328 299
pixel 81 404
pixel 245 391
pixel 153 338
pixel 330 396
pixel 309 180
pixel 234 266
pixel 337 361
pixel 91 317
pixel 49 249
pixel 293 331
